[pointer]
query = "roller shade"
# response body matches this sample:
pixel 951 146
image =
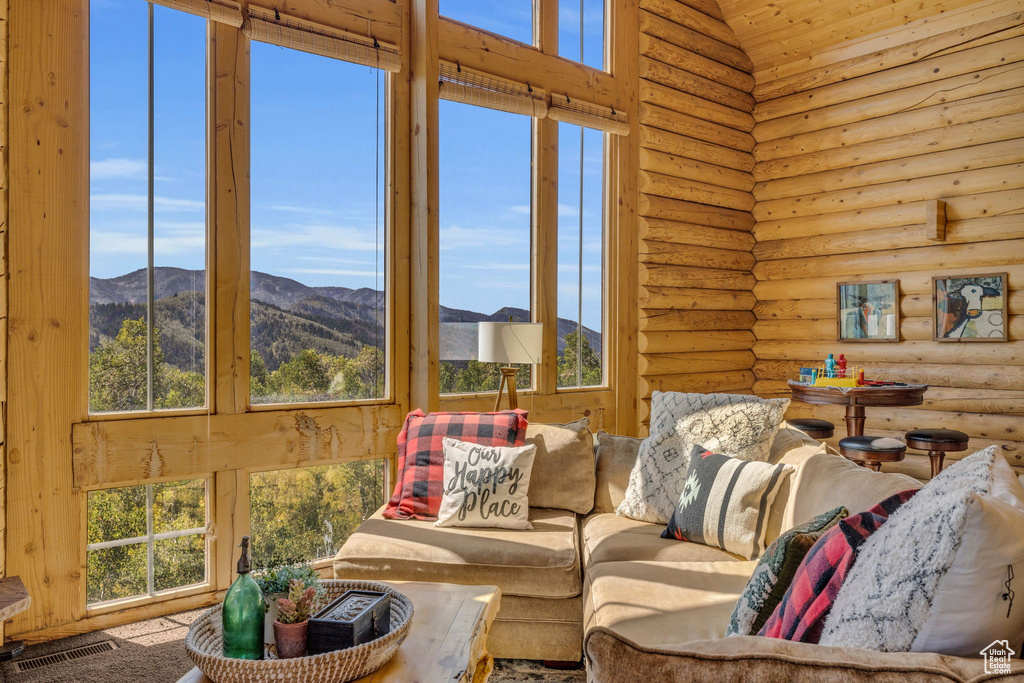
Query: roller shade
pixel 278 29
pixel 222 11
pixel 589 115
pixel 459 85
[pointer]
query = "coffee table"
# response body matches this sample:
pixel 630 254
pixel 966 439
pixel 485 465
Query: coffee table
pixel 447 641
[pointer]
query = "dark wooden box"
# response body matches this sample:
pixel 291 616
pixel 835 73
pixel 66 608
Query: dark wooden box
pixel 355 618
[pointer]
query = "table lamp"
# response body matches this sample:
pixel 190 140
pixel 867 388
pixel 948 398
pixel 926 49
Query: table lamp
pixel 509 343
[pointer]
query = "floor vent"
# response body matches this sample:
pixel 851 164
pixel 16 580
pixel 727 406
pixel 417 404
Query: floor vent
pixel 36 663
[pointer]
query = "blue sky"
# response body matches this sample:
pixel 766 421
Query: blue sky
pixel 315 216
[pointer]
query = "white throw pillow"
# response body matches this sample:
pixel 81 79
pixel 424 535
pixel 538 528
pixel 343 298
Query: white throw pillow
pixel 932 578
pixel 486 486
pixel 740 426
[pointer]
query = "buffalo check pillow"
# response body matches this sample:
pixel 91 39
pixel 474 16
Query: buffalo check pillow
pixel 419 484
pixel 801 614
pixel 725 502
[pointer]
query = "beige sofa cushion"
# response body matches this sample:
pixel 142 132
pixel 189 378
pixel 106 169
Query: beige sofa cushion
pixel 615 458
pixel 824 481
pixel 612 657
pixel 563 470
pixel 664 604
pixel 610 538
pixel 542 562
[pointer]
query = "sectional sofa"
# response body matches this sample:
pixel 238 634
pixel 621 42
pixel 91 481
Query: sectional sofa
pixel 639 607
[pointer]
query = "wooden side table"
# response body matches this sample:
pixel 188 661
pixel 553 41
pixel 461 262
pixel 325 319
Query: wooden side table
pixel 857 398
pixel 447 641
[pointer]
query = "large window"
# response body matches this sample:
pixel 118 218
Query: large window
pixel 509 18
pixel 581 31
pixel 145 540
pixel 147 313
pixel 580 256
pixel 485 209
pixel 306 513
pixel 317 216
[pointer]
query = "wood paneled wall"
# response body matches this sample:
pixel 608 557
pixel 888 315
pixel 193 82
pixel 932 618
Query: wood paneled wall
pixel 695 223
pixel 853 144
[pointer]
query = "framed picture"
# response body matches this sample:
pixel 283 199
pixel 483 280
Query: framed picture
pixel 868 311
pixel 970 309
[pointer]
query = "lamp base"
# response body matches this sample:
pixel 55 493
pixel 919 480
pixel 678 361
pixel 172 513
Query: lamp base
pixel 508 378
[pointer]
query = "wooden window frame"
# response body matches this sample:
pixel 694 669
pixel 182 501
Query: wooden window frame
pixel 47 398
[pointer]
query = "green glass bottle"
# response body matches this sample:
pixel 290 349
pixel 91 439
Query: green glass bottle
pixel 243 613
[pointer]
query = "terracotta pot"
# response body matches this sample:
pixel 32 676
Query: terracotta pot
pixel 291 639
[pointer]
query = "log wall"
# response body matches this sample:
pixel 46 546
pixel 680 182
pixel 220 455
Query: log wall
pixel 854 145
pixel 695 218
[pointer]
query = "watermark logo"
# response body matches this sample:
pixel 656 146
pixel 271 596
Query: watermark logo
pixel 997 657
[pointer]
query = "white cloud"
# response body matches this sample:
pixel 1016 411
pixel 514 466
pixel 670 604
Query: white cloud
pixel 117 168
pixel 304 210
pixel 332 271
pixel 139 201
pixel 345 238
pixel 102 242
pixel 455 237
pixel 499 266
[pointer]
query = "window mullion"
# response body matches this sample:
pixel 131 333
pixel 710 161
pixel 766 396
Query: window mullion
pixel 150 550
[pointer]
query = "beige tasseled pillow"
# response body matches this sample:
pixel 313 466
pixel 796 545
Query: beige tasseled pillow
pixel 563 471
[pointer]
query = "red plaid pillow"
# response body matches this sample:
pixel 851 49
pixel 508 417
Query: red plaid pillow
pixel 418 488
pixel 808 600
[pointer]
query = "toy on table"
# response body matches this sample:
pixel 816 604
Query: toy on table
pixel 841 366
pixel 837 374
pixel 830 366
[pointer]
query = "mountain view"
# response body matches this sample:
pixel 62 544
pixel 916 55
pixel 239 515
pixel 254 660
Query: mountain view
pixel 301 338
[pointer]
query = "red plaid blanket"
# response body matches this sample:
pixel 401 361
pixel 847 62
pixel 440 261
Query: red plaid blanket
pixel 418 487
pixel 808 600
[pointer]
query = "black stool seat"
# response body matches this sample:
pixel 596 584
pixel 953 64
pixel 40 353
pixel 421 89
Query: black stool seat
pixel 813 427
pixel 872 451
pixel 937 442
pixel 939 436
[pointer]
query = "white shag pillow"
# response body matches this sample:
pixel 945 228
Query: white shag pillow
pixel 932 579
pixel 486 486
pixel 739 425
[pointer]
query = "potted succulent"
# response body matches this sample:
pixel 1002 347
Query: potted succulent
pixel 274 583
pixel 292 620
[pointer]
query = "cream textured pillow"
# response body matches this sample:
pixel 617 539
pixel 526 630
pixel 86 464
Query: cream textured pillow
pixel 615 457
pixel 737 425
pixel 563 471
pixel 486 486
pixel 933 577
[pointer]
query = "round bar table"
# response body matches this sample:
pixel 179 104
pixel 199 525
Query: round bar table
pixel 857 398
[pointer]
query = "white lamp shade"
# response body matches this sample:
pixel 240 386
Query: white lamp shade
pixel 510 342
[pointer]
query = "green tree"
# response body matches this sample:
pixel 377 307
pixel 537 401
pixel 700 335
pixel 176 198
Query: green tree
pixel 117 370
pixel 307 373
pixel 258 375
pixel 592 375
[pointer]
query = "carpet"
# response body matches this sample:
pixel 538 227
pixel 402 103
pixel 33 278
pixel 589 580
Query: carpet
pixel 153 651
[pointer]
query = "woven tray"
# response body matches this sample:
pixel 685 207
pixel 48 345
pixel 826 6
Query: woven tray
pixel 205 647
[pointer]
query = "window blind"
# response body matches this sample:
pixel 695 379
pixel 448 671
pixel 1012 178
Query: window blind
pixel 589 115
pixel 223 11
pixel 458 85
pixel 278 29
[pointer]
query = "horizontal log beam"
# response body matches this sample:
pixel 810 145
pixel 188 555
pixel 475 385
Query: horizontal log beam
pixel 693 148
pixel 1000 202
pixel 971 377
pixel 685 103
pixel 694 191
pixel 683 299
pixel 911 305
pixel 930 70
pixel 670 209
pixel 994 255
pixel 688 363
pixel 692 127
pixel 684 342
pixel 661 230
pixel 700 171
pixel 734 381
pixel 908 351
pixel 681 58
pixel 701 278
pixel 126 452
pixel 679 79
pixel 682 321
pixel 666 253
pixel 682 15
pixel 695 41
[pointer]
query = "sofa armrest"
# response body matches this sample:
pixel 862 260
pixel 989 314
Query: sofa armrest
pixel 612 658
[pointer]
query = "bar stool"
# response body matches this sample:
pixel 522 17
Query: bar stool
pixel 813 427
pixel 937 442
pixel 872 451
